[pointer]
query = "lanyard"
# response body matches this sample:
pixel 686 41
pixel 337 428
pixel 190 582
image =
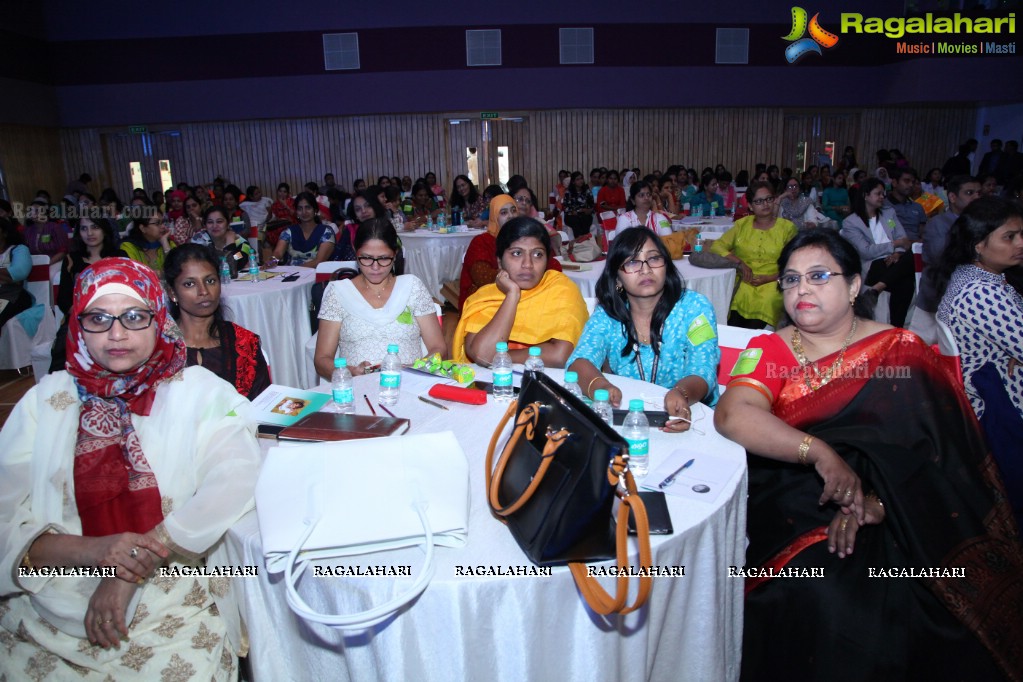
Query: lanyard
pixel 639 365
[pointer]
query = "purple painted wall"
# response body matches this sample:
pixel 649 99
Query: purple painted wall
pixel 201 61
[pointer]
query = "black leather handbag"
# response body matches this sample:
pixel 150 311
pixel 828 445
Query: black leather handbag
pixel 555 483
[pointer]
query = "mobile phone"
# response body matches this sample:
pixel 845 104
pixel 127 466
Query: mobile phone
pixel 372 368
pixel 657 513
pixel 657 418
pixel 290 278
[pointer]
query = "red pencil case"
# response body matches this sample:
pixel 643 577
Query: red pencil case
pixel 469 396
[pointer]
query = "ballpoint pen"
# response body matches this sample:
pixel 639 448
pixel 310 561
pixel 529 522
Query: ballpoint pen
pixel 368 403
pixel 380 405
pixel 430 402
pixel 670 479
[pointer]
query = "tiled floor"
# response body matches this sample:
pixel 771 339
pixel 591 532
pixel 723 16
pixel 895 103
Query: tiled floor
pixel 12 387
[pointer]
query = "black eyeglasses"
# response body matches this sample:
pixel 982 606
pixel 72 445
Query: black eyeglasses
pixel 760 201
pixel 133 320
pixel 817 277
pixel 635 265
pixel 382 261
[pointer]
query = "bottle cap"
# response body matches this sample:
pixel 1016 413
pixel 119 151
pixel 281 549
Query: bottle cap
pixel 502 347
pixel 600 394
pixel 534 351
pixel 636 405
pixel 571 378
pixel 392 348
pixel 340 362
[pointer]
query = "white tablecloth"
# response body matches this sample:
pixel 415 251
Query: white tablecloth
pixel 708 226
pixel 716 285
pixel 279 312
pixel 435 258
pixel 498 628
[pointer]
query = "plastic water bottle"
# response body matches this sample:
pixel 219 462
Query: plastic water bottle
pixel 698 247
pixel 390 376
pixel 225 271
pixel 429 222
pixel 341 387
pixel 636 431
pixel 502 368
pixel 253 268
pixel 572 384
pixel 601 406
pixel 534 363
pixel 441 223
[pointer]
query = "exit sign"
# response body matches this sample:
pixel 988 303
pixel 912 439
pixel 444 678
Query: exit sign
pixel 489 114
pixel 138 130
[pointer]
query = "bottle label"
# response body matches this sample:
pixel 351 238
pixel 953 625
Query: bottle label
pixel 343 396
pixel 502 378
pixel 638 446
pixel 390 379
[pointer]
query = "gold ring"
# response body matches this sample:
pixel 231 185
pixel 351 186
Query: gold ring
pixel 848 493
pixel 845 522
pixel 134 553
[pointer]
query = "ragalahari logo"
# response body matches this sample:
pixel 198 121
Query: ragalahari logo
pixel 801 46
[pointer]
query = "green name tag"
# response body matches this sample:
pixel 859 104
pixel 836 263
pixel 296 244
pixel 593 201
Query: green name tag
pixel 701 330
pixel 405 317
pixel 45 239
pixel 747 361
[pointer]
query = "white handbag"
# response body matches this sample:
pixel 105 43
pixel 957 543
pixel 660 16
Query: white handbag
pixel 328 500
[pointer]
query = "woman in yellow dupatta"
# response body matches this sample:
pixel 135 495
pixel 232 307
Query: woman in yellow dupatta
pixel 528 305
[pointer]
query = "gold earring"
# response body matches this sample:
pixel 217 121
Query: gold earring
pixel 618 287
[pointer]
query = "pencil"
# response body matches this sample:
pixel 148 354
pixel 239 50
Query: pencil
pixel 387 411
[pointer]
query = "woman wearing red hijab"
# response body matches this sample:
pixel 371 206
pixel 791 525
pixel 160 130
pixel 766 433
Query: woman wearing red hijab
pixel 127 461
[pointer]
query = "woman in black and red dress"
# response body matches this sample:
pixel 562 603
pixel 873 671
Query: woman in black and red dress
pixel 229 351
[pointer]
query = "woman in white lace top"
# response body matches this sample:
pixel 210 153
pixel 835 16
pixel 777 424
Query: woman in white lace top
pixel 359 317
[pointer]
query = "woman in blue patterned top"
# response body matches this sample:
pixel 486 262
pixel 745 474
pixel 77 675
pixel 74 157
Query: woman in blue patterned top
pixel 309 242
pixel 648 326
pixel 985 316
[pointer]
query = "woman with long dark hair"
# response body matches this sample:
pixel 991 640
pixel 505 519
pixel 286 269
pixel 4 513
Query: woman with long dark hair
pixel 469 201
pixel 648 326
pixel 875 231
pixel 578 205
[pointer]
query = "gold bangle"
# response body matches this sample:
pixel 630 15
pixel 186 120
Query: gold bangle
pixel 684 392
pixel 589 389
pixel 804 449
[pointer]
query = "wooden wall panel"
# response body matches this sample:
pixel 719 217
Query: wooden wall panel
pixel 301 150
pixel 32 160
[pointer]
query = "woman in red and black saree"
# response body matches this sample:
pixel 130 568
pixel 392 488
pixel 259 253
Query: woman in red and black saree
pixel 881 545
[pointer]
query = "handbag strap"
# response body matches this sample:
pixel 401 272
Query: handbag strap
pixel 631 503
pixel 525 424
pixel 370 617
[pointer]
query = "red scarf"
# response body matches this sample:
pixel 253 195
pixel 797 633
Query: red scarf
pixel 115 488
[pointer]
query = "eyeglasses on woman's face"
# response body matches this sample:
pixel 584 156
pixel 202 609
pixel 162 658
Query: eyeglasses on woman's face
pixel 635 265
pixel 816 277
pixel 382 261
pixel 133 320
pixel 760 201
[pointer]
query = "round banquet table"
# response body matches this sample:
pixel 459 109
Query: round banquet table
pixel 435 258
pixel 279 312
pixel 716 284
pixel 513 628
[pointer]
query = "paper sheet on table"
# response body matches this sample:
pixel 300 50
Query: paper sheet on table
pixel 708 472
